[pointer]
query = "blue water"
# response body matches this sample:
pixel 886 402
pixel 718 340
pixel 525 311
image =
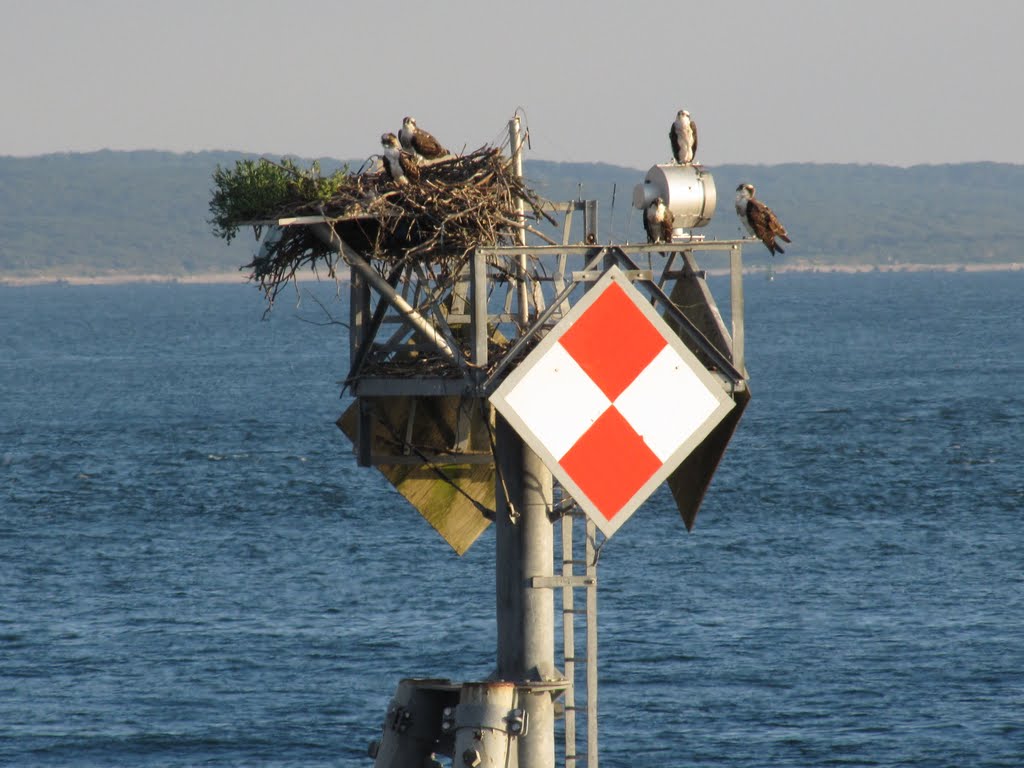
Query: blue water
pixel 193 571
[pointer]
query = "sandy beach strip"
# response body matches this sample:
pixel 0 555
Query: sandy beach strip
pixel 221 278
pixel 127 278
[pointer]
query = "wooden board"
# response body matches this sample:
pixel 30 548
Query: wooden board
pixel 442 491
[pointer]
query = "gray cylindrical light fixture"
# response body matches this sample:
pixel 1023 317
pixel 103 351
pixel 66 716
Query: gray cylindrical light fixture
pixel 688 191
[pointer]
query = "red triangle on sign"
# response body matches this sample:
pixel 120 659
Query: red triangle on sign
pixel 613 341
pixel 610 462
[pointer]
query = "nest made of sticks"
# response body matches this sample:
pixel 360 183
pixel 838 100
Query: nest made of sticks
pixel 458 203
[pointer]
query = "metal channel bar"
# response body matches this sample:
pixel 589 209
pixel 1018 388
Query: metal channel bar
pixel 736 300
pixel 478 291
pixel 389 386
pixel 583 250
pixel 363 333
pixel 569 644
pixel 516 147
pixel 359 334
pixel 591 646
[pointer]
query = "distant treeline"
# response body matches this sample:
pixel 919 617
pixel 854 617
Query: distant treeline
pixel 147 211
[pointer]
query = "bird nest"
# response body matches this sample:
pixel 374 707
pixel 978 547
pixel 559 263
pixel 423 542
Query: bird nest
pixel 458 203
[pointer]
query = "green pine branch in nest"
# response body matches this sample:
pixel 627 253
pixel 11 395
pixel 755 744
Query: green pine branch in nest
pixel 255 190
pixel 457 204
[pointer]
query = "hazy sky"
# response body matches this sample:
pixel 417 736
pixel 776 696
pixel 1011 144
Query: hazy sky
pixel 897 82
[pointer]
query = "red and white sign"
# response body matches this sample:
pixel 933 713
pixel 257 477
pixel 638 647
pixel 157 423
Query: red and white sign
pixel 612 400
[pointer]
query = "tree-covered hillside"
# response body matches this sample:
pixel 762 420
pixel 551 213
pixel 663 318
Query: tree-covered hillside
pixel 147 211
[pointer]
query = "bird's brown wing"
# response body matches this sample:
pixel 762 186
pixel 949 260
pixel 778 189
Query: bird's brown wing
pixel 763 222
pixel 693 127
pixel 409 167
pixel 675 142
pixel 776 226
pixel 427 145
pixel 667 225
pixel 651 235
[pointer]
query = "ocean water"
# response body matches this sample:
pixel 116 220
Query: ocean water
pixel 193 571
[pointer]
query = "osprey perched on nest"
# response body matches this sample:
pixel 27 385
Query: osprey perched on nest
pixel 399 164
pixel 683 135
pixel 419 142
pixel 658 221
pixel 759 219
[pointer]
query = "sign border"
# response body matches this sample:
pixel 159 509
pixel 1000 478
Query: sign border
pixel 725 403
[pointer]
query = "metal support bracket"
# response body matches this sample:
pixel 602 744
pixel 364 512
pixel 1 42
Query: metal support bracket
pixel 518 722
pixel 631 274
pixel 515 722
pixel 448 720
pixel 398 718
pixel 562 582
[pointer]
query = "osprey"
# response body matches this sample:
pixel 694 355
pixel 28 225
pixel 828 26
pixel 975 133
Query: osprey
pixel 399 164
pixel 759 219
pixel 658 222
pixel 419 142
pixel 683 135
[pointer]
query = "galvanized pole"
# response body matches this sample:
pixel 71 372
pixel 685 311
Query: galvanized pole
pixel 524 542
pixel 525 614
pixel 516 147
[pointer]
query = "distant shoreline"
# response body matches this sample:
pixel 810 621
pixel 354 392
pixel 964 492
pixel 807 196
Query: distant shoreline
pixel 227 278
pixel 128 278
pixel 852 269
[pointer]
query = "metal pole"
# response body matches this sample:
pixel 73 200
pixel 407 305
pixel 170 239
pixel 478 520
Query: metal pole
pixel 525 614
pixel 480 726
pixel 516 147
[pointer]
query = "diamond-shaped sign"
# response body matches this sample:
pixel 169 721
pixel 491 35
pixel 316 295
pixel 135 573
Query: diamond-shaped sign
pixel 612 400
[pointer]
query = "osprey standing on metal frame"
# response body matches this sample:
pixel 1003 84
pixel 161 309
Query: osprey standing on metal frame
pixel 683 136
pixel 760 220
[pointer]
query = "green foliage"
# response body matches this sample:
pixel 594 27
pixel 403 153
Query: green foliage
pixel 255 190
